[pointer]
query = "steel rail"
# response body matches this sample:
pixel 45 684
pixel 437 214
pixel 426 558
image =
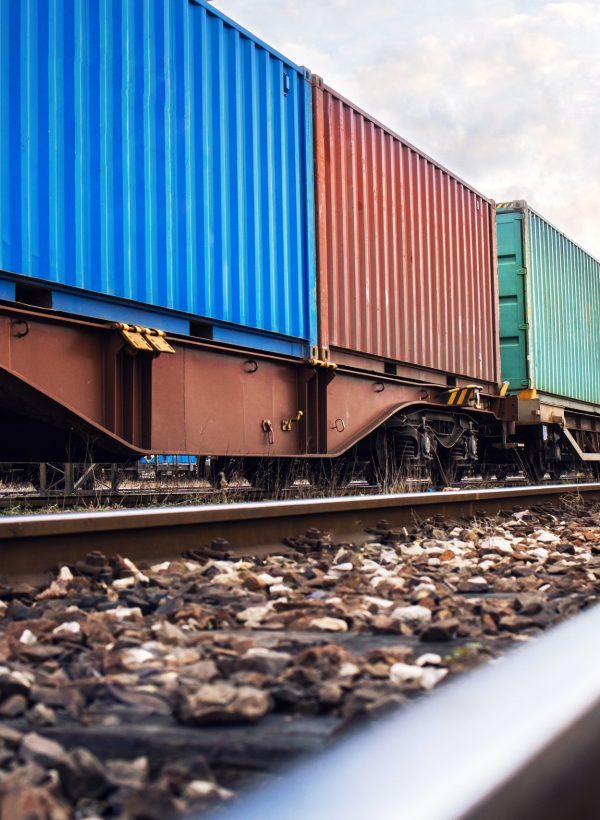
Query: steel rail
pixel 34 543
pixel 515 740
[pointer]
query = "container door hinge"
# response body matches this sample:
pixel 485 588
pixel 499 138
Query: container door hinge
pixel 522 272
pixel 144 339
pixel 158 340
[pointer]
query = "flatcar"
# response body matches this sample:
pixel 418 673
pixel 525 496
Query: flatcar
pixel 206 251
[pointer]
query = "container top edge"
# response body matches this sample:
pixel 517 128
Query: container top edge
pixel 319 83
pixel 212 9
pixel 523 205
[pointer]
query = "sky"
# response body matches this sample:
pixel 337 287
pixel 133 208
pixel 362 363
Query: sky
pixel 506 95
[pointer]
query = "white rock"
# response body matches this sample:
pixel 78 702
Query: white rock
pixel 390 557
pixel 3 608
pixel 269 580
pixel 348 670
pixel 520 515
pixel 68 628
pixel 539 552
pixel 123 583
pixel 329 624
pixel 427 588
pixel 411 549
pixel 339 553
pixel 484 566
pixel 253 616
pixel 139 576
pixel 241 564
pixel 227 579
pixel 424 676
pixel 65 574
pixel 26 679
pixel 412 615
pixel 199 789
pixel 160 567
pixel 381 603
pixel 496 542
pixel 369 566
pixel 546 537
pixel 135 656
pixel 124 613
pixel 477 580
pixel 27 637
pixel 392 581
pixel 429 659
pixel 279 589
pixel 334 600
pixel 434 562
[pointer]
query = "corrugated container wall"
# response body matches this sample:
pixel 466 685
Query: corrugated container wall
pixel 152 150
pixel 549 307
pixel 405 250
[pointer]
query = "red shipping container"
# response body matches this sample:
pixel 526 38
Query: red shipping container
pixel 405 253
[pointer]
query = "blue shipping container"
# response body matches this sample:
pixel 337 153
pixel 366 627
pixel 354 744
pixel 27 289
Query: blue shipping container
pixel 152 150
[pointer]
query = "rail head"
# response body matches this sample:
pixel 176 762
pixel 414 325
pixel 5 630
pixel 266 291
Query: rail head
pixel 24 526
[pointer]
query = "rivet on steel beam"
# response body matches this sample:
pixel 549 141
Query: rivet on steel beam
pixel 379 387
pixel 250 366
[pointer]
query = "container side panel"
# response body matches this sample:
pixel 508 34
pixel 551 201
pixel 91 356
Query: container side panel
pixel 511 277
pixel 564 288
pixel 405 250
pixel 154 151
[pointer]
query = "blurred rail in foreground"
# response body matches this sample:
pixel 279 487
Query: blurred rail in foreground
pixel 517 739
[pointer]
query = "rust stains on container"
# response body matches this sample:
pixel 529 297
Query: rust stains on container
pixel 405 251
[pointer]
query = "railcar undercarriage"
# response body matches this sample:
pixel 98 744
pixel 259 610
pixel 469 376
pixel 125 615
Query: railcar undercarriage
pixel 76 393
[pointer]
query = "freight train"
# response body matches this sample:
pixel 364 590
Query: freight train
pixel 207 251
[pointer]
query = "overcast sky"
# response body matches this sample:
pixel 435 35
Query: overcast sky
pixel 507 95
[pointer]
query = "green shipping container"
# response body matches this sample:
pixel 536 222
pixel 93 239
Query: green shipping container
pixel 549 291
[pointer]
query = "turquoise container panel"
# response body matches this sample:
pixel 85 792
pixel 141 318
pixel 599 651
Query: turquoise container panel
pixel 562 290
pixel 152 150
pixel 511 293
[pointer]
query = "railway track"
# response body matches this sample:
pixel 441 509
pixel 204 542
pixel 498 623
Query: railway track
pixel 163 686
pixel 35 543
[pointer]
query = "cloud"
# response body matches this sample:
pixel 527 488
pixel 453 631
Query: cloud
pixel 511 22
pixel 575 14
pixel 508 100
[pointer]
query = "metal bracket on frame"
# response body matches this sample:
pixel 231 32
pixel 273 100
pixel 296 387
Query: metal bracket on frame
pixel 144 339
